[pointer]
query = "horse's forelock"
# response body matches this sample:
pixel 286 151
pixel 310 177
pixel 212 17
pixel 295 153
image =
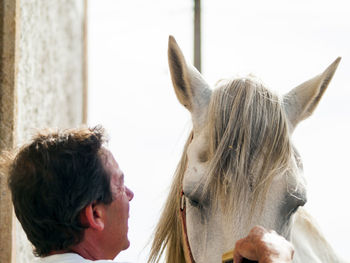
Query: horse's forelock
pixel 248 142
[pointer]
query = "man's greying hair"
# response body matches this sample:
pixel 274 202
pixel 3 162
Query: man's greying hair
pixel 52 179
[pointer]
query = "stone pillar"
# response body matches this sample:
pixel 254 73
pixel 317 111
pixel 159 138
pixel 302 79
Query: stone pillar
pixel 43 82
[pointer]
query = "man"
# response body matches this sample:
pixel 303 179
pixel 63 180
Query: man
pixel 69 195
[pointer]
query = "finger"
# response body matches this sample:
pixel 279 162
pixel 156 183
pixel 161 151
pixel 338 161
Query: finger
pixel 256 233
pixel 237 258
pixel 246 249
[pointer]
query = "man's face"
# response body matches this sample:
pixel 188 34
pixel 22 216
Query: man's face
pixel 117 212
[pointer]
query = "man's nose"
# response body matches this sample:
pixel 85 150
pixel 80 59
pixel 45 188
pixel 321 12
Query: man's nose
pixel 129 193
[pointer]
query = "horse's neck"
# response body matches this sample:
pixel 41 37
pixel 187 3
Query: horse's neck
pixel 309 243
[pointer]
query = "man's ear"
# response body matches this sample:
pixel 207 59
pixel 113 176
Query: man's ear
pixel 93 216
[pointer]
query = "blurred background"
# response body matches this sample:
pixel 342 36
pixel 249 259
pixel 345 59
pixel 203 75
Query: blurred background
pixel 283 43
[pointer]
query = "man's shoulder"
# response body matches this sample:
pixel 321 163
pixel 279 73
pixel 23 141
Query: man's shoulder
pixel 69 258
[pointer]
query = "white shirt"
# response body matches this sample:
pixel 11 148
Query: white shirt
pixel 70 258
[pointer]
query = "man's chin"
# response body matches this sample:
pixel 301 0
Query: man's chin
pixel 127 244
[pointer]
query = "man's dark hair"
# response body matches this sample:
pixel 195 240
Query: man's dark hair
pixel 52 179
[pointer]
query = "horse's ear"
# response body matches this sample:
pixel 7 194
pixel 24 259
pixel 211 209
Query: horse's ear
pixel 300 102
pixel 190 87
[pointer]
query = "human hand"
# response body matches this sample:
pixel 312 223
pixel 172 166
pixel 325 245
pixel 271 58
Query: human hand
pixel 264 246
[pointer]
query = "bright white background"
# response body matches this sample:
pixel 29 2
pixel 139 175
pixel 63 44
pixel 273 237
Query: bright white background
pixel 282 42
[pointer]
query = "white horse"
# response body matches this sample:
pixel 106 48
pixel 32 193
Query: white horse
pixel 239 167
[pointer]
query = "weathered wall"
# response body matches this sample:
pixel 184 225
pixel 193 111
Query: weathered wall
pixel 9 35
pixel 50 73
pixel 50 79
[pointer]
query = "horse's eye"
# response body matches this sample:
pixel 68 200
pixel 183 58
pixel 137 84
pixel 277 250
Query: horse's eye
pixel 194 203
pixel 294 201
pixel 203 156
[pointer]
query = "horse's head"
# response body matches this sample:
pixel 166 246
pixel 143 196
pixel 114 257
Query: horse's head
pixel 240 168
